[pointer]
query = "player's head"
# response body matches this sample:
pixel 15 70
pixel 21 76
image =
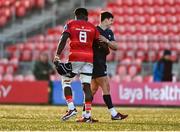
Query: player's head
pixel 167 54
pixel 43 57
pixel 107 18
pixel 81 13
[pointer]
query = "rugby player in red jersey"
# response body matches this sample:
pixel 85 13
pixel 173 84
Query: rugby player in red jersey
pixel 82 34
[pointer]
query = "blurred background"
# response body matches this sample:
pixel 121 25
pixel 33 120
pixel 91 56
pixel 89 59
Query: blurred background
pixel 142 28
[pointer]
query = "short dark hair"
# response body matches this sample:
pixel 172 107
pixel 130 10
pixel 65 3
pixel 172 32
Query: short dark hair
pixel 166 52
pixel 81 12
pixel 105 15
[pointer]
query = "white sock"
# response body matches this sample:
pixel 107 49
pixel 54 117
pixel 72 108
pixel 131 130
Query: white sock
pixel 113 111
pixel 71 106
pixel 88 114
pixel 83 113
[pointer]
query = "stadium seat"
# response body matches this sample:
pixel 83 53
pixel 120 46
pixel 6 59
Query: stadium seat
pixel 126 79
pixel 140 54
pixel 2 69
pixel 132 70
pixel 19 78
pixel 29 77
pixel 110 56
pixel 126 61
pixel 152 56
pixel 1 78
pixel 121 70
pixel 20 9
pixel 10 69
pixel 8 77
pixel 138 78
pixel 119 55
pixel 4 61
pixel 26 55
pixel 148 79
pixel 130 54
pixel 55 77
pixel 174 55
pixel 3 20
pixel 35 55
pixel 116 78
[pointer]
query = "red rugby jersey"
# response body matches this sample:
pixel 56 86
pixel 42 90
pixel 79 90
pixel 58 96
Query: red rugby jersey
pixel 82 35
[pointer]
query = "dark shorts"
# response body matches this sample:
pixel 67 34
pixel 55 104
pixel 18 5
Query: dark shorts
pixel 99 70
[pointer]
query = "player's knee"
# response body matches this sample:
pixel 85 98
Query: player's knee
pixel 67 91
pixel 93 91
pixel 87 92
pixel 88 97
pixel 85 78
pixel 66 83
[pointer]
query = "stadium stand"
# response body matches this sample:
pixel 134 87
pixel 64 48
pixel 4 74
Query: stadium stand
pixel 18 7
pixel 143 29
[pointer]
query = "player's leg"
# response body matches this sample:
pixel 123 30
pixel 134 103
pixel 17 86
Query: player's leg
pixel 85 77
pixel 94 88
pixel 66 85
pixel 104 84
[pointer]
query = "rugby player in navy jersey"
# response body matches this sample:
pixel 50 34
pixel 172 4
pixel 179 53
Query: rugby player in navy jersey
pixel 101 50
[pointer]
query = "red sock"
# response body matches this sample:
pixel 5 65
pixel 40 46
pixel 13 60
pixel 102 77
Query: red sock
pixel 88 106
pixel 70 103
pixel 68 99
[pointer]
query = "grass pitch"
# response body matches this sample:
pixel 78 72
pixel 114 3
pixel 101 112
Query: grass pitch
pixel 47 118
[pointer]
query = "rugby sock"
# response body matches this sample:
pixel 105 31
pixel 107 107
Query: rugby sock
pixel 70 102
pixel 83 112
pixel 108 102
pixel 113 111
pixel 88 109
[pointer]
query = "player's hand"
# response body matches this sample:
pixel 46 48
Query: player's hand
pixel 56 58
pixel 103 39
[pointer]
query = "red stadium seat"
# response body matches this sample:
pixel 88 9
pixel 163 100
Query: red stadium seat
pixel 130 54
pixel 110 57
pixel 3 20
pixel 140 54
pixel 138 78
pixel 4 61
pixel 29 77
pixel 19 78
pixel 8 77
pixel 148 79
pixel 132 70
pixel 126 61
pixel 121 70
pixel 151 56
pixel 20 9
pixel 26 55
pixel 1 77
pixel 35 54
pixel 10 69
pixel 40 3
pixel 2 69
pixel 55 77
pixel 126 79
pixel 116 78
pixel 119 55
pixel 174 55
pixel 26 4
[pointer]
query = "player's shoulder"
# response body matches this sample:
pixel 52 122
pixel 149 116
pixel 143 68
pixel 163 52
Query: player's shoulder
pixel 109 30
pixel 90 24
pixel 70 21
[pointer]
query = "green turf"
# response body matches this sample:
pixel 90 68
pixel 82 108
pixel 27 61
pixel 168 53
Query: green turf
pixel 24 117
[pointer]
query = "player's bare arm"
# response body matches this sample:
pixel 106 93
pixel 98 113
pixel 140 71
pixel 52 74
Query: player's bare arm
pixel 111 44
pixel 61 45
